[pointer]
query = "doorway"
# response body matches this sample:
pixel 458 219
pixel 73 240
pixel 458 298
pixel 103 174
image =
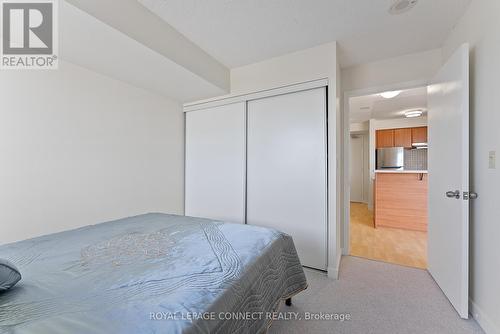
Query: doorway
pixel 388 176
pixel 449 189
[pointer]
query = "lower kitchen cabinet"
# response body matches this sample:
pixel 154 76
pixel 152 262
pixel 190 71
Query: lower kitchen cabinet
pixel 401 200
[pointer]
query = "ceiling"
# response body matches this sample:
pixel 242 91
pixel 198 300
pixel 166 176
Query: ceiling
pixel 240 32
pixel 126 59
pixel 374 106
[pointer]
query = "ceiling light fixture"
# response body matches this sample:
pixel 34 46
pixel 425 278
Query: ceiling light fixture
pixel 391 94
pixel 401 6
pixel 414 113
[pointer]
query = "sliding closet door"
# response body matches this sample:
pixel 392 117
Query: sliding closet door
pixel 286 180
pixel 215 163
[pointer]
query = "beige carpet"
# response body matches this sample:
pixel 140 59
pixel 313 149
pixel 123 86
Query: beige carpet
pixel 379 297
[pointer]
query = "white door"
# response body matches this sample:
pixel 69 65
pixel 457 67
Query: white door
pixel 215 163
pixel 357 177
pixel 286 180
pixel 448 246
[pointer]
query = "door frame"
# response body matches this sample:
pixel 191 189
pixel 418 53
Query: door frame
pixel 346 136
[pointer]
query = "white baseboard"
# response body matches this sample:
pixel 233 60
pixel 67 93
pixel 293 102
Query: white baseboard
pixel 333 272
pixel 482 319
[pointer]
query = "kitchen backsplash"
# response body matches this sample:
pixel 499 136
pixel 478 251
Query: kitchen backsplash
pixel 416 159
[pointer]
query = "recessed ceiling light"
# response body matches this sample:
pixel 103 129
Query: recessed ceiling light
pixel 401 6
pixel 391 94
pixel 414 113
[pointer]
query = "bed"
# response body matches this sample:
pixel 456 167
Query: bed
pixel 153 273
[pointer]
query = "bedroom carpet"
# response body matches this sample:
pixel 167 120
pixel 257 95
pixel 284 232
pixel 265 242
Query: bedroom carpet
pixel 379 297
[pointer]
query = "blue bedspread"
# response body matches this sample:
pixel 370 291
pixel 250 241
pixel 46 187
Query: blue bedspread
pixel 153 273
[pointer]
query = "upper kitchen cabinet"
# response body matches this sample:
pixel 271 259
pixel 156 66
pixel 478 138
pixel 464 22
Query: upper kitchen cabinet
pixel 406 137
pixel 419 135
pixel 403 138
pixel 385 138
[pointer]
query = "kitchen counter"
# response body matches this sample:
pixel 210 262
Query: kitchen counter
pixel 400 199
pixel 401 171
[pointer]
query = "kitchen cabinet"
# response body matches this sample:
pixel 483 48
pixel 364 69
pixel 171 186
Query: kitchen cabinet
pixel 419 135
pixel 400 200
pixel 385 138
pixel 403 137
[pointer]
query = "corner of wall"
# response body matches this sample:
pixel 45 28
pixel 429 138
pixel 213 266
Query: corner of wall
pixel 482 319
pixel 334 270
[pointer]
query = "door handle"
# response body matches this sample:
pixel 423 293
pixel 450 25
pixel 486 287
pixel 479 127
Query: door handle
pixel 453 194
pixel 470 195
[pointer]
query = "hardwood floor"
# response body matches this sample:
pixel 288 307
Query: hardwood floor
pixel 404 247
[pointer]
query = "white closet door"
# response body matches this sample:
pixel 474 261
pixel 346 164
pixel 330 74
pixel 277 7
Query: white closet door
pixel 215 163
pixel 286 170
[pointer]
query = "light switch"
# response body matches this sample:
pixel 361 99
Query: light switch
pixel 492 160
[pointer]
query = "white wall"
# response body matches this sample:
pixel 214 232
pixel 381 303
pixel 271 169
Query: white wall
pixel 480 26
pixel 142 25
pixel 306 65
pixel 360 173
pixel 366 167
pixel 418 67
pixel 311 64
pixel 360 127
pixel 126 59
pixel 80 148
pixel 363 129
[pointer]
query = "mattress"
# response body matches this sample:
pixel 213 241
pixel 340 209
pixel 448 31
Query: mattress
pixel 153 273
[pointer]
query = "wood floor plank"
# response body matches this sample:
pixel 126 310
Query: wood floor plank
pixel 404 247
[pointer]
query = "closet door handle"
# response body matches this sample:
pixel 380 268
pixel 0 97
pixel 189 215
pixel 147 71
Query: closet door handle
pixel 453 194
